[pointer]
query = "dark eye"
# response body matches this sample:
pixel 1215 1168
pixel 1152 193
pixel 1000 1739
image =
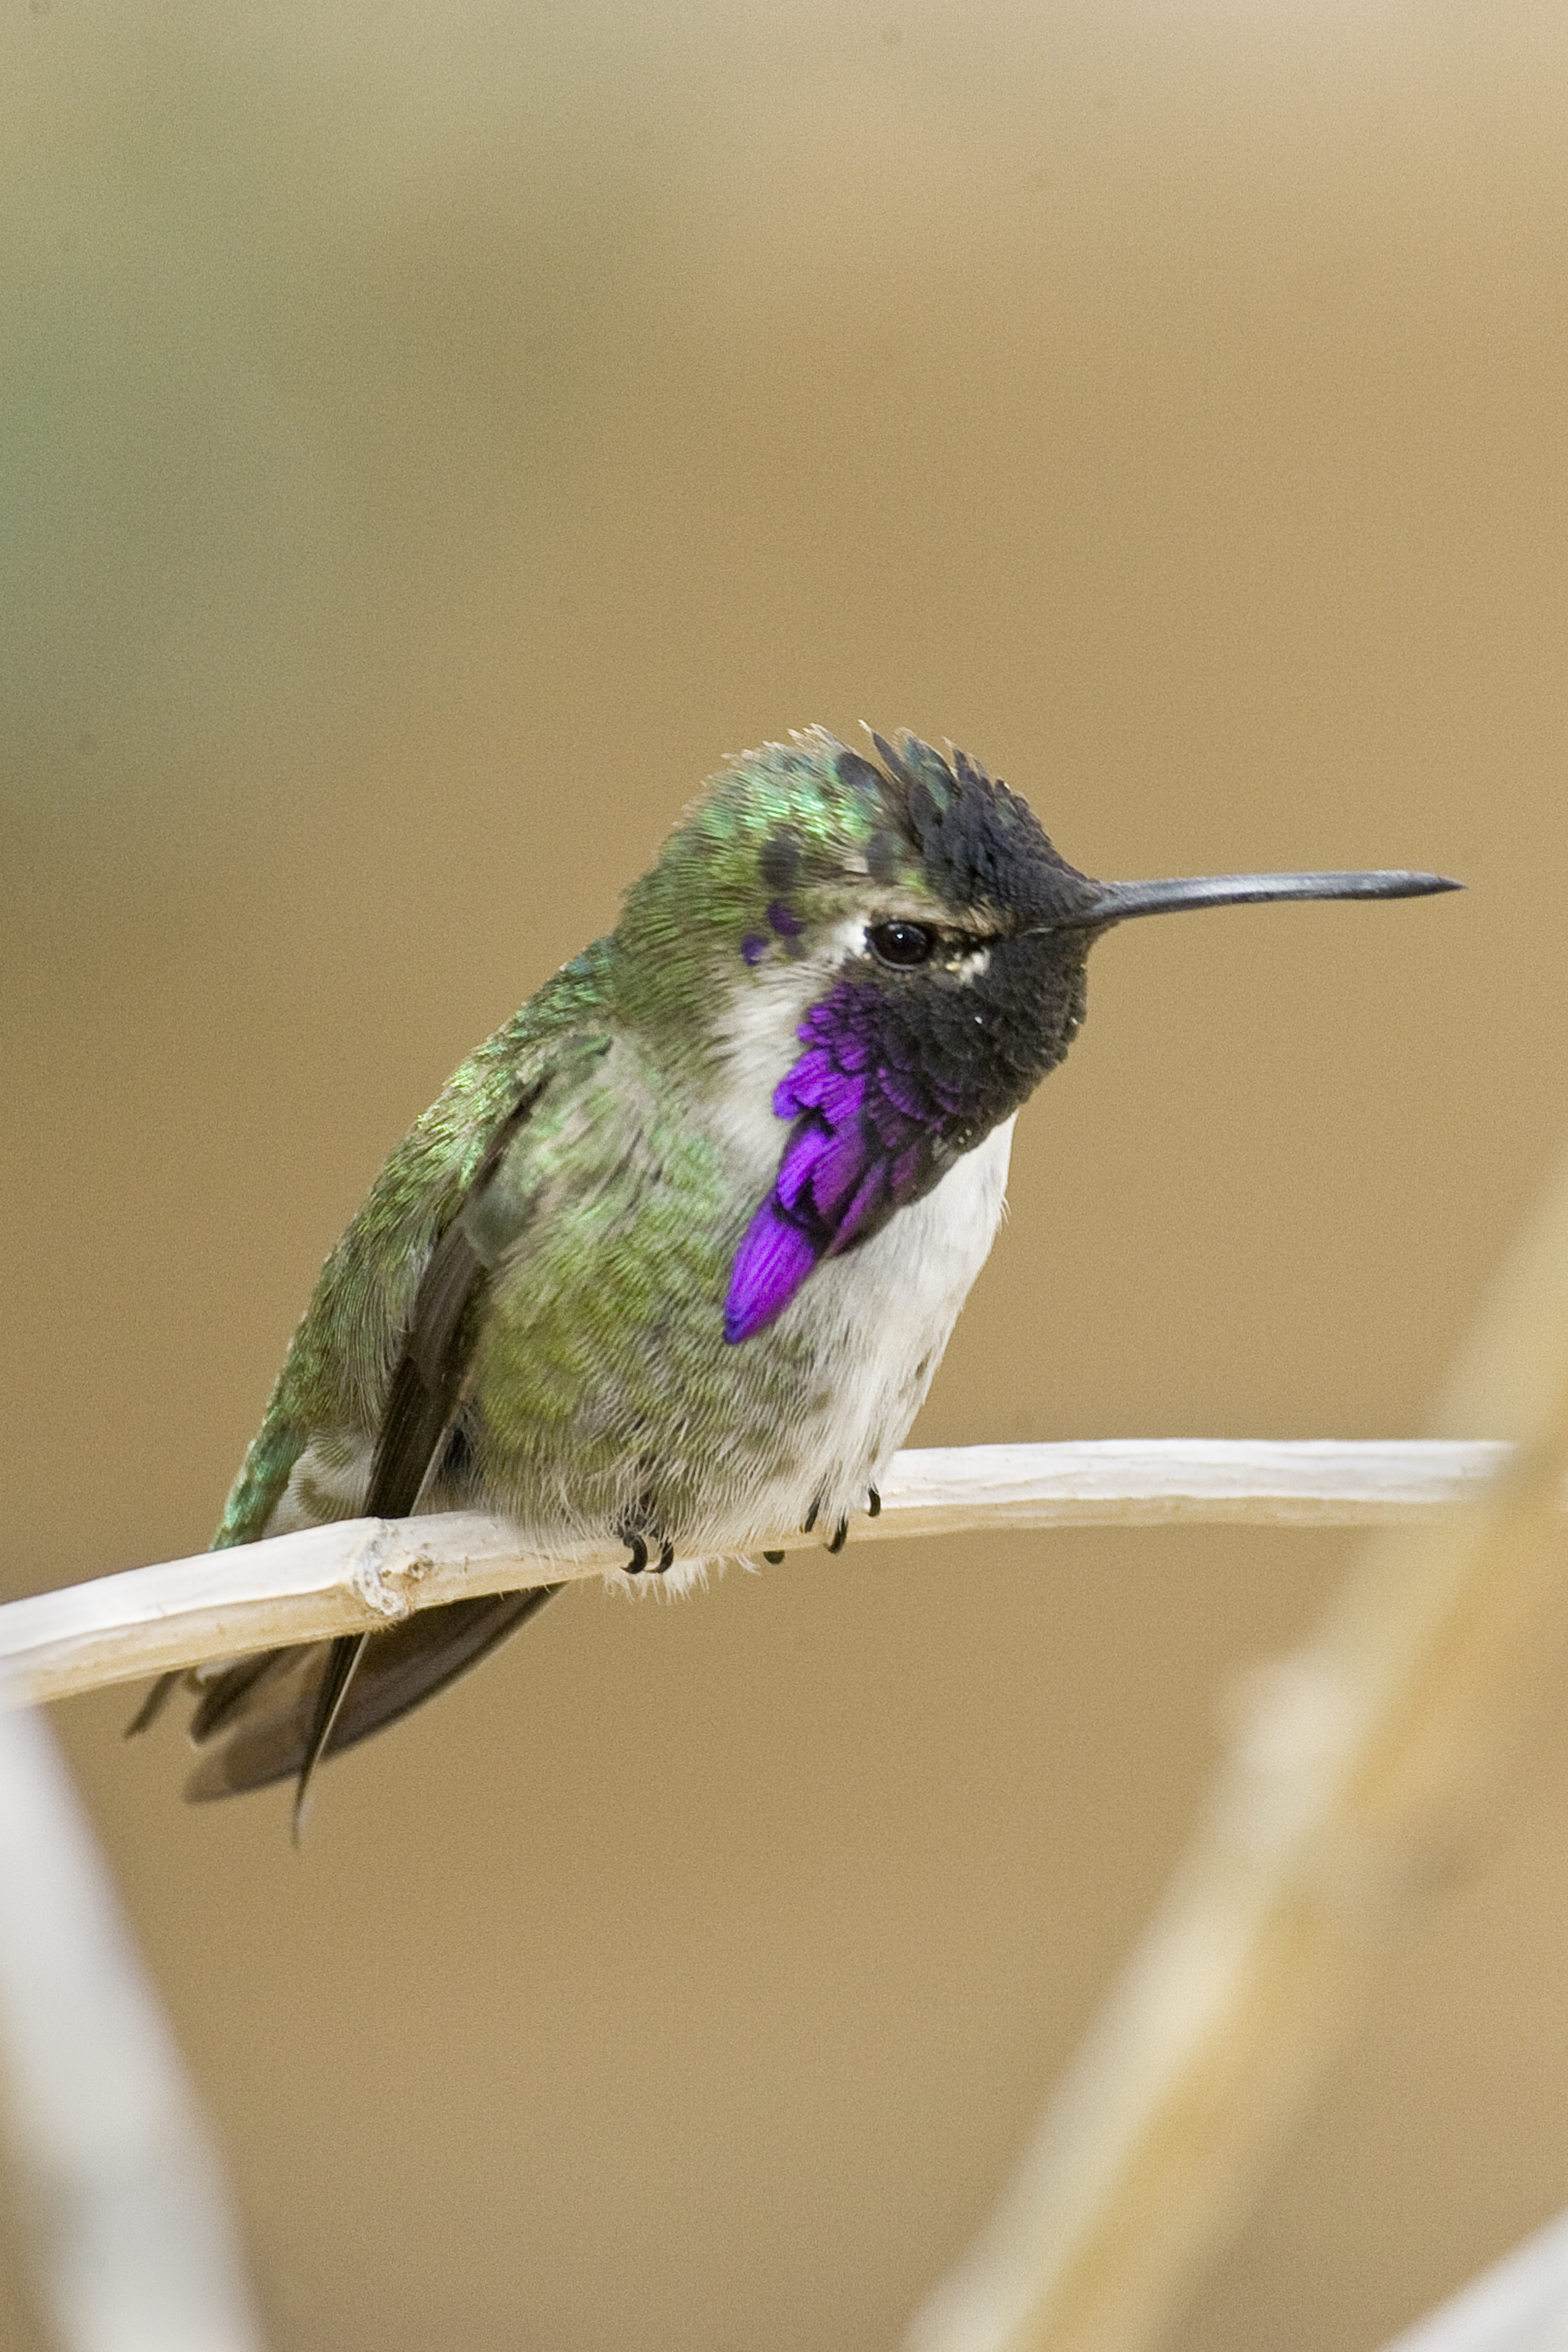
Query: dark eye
pixel 902 943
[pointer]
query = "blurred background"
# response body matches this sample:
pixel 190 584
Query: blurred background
pixel 432 437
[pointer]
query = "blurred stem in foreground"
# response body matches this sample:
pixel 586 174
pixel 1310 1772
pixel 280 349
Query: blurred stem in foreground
pixel 1365 1770
pixel 121 2197
pixel 1520 2305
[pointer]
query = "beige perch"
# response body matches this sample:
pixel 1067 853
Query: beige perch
pixel 362 1573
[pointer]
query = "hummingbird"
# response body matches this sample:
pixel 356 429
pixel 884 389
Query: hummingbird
pixel 673 1258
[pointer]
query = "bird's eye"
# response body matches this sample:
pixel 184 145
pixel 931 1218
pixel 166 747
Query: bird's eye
pixel 901 944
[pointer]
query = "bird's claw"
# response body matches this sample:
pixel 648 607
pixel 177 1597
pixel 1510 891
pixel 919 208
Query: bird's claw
pixel 840 1535
pixel 637 1534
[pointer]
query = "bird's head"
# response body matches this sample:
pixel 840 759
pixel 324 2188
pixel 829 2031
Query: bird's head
pixel 885 953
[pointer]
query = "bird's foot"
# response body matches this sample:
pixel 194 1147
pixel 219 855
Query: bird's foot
pixel 640 1531
pixel 840 1535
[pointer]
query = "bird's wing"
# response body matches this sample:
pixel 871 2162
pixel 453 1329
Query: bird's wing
pixel 280 1713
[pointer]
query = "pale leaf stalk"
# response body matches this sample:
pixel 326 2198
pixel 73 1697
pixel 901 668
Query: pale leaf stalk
pixel 121 2195
pixel 1365 1771
pixel 1520 2305
pixel 364 1573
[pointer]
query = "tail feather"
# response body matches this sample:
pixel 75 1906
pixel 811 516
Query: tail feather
pixel 268 1707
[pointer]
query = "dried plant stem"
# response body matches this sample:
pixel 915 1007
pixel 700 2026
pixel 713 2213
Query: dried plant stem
pixel 1520 2305
pixel 121 2195
pixel 368 1572
pixel 1368 1765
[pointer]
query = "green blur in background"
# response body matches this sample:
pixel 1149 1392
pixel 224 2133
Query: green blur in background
pixel 430 437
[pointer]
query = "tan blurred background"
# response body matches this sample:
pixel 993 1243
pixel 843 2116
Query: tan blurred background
pixel 433 435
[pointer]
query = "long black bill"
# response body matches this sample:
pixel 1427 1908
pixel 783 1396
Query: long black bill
pixel 1118 902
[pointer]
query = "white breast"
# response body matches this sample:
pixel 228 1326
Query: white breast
pixel 894 1303
pixel 880 1318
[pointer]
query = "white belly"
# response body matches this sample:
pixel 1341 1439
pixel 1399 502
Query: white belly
pixel 881 1317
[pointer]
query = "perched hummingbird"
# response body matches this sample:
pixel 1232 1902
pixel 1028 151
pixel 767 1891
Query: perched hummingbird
pixel 676 1253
